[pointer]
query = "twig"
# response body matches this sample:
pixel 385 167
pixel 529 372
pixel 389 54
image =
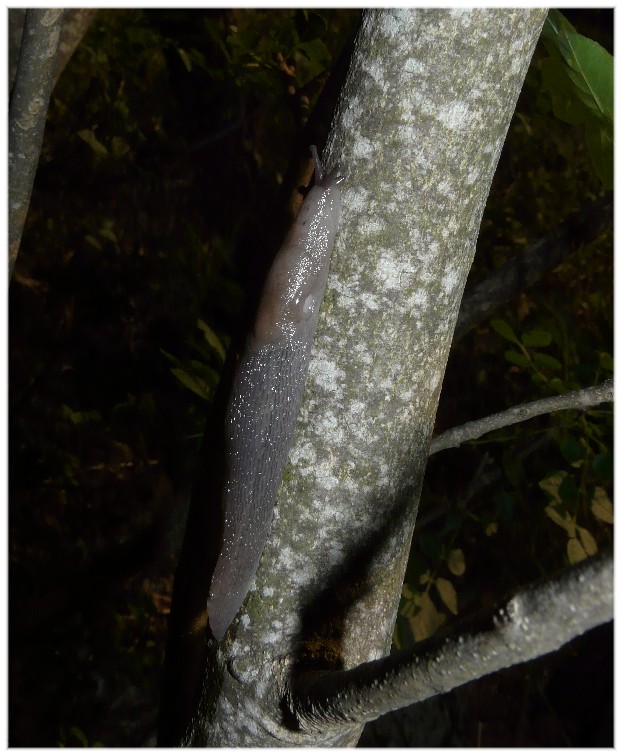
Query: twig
pixel 29 102
pixel 486 475
pixel 581 399
pixel 538 620
pixel 527 267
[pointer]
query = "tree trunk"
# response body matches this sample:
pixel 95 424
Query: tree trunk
pixel 27 113
pixel 418 133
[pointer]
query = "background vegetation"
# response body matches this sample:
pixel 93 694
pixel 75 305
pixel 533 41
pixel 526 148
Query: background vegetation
pixel 169 136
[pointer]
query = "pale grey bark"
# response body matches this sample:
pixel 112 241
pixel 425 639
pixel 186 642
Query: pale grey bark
pixel 29 103
pixel 418 132
pixel 580 400
pixel 76 22
pixel 534 622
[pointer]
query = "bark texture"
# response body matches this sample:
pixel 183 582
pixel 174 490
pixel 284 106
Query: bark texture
pixel 76 22
pixel 534 622
pixel 29 102
pixel 418 133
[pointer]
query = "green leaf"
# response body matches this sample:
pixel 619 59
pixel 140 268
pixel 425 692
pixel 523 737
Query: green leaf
pixel 79 735
pixel 206 373
pixel 505 330
pixel 189 381
pixel 212 339
pixel 119 147
pixel 93 142
pixel 591 69
pixel 575 551
pixel 562 519
pixel 537 338
pixel 606 362
pixel 310 24
pixel 603 464
pixel 601 506
pixel 565 105
pixel 108 234
pixel 312 59
pixel 579 75
pixel 600 145
pixel 170 357
pixel 572 451
pixel 456 562
pixel 545 360
pixel 185 58
pixel 448 594
pixel 552 483
pixel 554 27
pixel 587 540
pixel 515 357
pixel 194 383
pixel 92 241
pixel 589 66
pixel 427 620
pixel 78 418
pixel 557 385
pixel 245 41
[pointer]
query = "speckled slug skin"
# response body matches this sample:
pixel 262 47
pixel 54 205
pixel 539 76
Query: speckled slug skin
pixel 267 390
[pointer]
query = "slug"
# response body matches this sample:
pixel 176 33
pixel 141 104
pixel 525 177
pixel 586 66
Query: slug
pixel 267 390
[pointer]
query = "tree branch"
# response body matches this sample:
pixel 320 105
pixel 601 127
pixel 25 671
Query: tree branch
pixel 538 620
pixel 76 22
pixel 527 267
pixel 29 102
pixel 581 399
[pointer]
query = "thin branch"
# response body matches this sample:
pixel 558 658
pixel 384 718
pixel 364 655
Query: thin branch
pixel 527 267
pixel 538 620
pixel 581 399
pixel 29 102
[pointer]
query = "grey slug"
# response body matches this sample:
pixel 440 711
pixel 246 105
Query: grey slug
pixel 267 390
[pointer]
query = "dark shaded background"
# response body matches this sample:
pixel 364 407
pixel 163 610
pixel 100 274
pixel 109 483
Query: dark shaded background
pixel 158 197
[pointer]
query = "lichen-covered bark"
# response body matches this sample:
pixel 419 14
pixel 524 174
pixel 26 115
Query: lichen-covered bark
pixel 76 22
pixel 581 399
pixel 536 621
pixel 29 102
pixel 418 133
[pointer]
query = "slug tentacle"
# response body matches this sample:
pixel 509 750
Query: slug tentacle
pixel 267 391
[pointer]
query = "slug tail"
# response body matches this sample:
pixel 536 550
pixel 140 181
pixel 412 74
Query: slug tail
pixel 221 610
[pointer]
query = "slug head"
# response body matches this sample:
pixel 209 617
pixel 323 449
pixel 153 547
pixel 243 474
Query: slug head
pixel 297 279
